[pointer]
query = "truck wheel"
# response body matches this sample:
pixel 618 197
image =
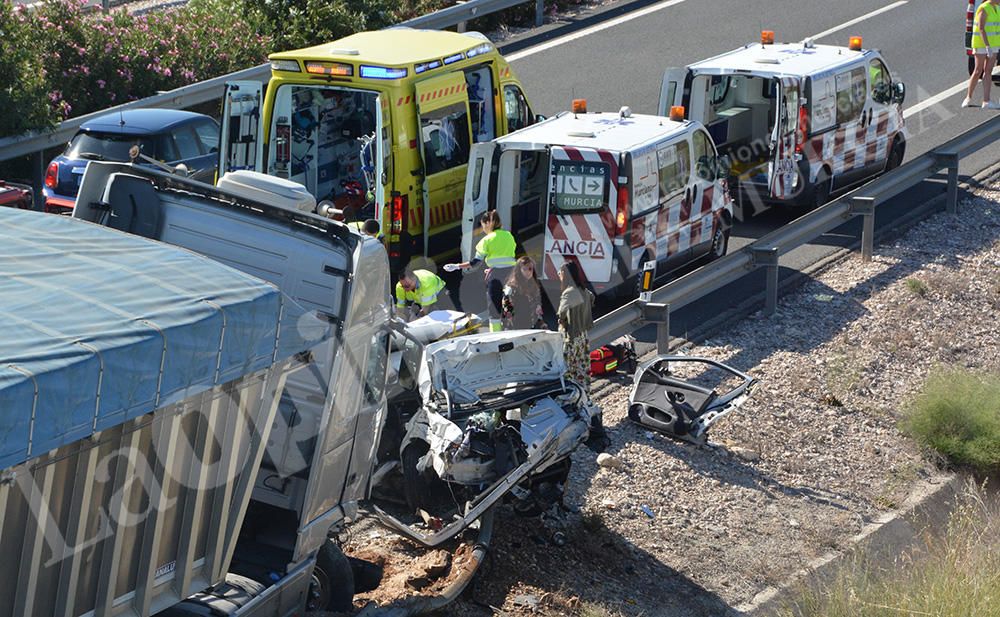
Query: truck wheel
pixel 332 586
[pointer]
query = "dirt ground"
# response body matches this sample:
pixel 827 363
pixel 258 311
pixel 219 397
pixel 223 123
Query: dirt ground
pixel 814 455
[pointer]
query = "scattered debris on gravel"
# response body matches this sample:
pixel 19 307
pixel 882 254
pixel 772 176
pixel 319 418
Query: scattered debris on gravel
pixel 663 527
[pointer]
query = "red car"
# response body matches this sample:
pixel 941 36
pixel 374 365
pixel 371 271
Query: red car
pixel 15 195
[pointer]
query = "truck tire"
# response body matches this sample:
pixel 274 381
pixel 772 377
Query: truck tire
pixel 332 587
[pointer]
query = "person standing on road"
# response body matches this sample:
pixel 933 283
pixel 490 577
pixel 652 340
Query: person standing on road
pixel 985 44
pixel 417 293
pixel 497 249
pixel 522 297
pixel 575 320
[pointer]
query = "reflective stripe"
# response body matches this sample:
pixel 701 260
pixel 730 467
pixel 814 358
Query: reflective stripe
pixel 429 285
pixel 501 262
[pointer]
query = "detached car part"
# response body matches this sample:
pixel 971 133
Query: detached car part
pixel 682 408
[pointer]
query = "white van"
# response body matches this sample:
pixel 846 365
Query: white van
pixel 797 121
pixel 607 190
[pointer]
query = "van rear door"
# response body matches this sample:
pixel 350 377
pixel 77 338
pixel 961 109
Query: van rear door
pixel 580 223
pixel 242 145
pixel 781 169
pixel 477 195
pixel 672 89
pixel 445 136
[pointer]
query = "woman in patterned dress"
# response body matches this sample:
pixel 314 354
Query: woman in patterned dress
pixel 575 321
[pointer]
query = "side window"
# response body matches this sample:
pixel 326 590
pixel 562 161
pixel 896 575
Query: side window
pixel 188 146
pixel 445 134
pixel 208 135
pixel 477 180
pixel 165 148
pixel 881 82
pixel 852 91
pixel 704 155
pixel 515 108
pixel 674 162
pixel 791 102
pixel 479 84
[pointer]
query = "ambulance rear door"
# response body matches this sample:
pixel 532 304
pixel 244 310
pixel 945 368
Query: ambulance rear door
pixel 782 169
pixel 672 89
pixel 445 137
pixel 580 222
pixel 242 143
pixel 482 167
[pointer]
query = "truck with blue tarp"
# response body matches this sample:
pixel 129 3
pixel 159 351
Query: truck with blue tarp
pixel 170 443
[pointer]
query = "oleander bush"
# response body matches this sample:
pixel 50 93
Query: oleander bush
pixel 23 84
pixel 958 415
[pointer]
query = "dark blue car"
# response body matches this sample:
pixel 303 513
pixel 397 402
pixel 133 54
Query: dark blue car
pixel 167 135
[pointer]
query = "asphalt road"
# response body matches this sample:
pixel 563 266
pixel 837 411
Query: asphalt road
pixel 616 55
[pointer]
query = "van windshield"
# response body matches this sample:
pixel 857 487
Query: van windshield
pixel 323 137
pixel 580 186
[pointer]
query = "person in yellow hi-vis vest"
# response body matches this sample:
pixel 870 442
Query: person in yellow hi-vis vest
pixel 985 43
pixel 417 293
pixel 497 249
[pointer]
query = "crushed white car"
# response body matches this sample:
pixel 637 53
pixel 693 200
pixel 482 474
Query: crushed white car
pixel 475 419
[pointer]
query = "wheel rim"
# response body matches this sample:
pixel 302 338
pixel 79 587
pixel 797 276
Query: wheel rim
pixel 719 243
pixel 319 592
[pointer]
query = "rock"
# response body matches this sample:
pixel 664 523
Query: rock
pixel 526 600
pixel 751 456
pixel 793 523
pixel 609 461
pixel 609 504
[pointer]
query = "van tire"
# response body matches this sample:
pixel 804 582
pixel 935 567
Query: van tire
pixel 720 243
pixel 822 188
pixel 896 154
pixel 332 587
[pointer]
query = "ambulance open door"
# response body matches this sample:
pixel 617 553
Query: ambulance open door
pixel 477 195
pixel 242 143
pixel 445 136
pixel 672 90
pixel 782 170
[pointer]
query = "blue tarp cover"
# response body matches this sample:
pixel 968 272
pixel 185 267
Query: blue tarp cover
pixel 98 327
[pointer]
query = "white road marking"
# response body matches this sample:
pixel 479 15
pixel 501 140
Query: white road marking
pixel 592 29
pixel 937 98
pixel 848 24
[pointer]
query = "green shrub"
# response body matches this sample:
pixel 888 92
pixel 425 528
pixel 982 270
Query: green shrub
pixel 22 76
pixel 958 415
pixel 293 24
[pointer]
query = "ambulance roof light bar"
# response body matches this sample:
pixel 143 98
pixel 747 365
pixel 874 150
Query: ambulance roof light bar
pixel 677 113
pixel 855 43
pixel 579 106
pixel 767 37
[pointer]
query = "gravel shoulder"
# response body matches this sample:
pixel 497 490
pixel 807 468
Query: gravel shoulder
pixel 814 455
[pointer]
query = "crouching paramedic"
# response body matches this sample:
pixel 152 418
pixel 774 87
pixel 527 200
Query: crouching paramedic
pixel 417 293
pixel 497 249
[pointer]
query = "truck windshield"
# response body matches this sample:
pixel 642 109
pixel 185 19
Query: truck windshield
pixel 323 137
pixel 580 186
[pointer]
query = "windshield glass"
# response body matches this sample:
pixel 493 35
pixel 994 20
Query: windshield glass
pixel 108 146
pixel 323 137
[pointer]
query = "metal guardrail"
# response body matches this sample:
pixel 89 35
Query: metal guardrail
pixel 765 252
pixel 194 94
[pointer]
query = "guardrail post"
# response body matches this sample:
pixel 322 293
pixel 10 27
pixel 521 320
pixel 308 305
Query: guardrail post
pixel 461 26
pixel 767 257
pixel 539 12
pixel 657 313
pixel 37 180
pixel 950 159
pixel 865 206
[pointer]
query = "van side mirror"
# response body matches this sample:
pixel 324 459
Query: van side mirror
pixel 899 93
pixel 723 166
pixel 883 93
pixel 539 117
pixel 706 167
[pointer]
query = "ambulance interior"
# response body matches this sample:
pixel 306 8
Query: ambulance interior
pixel 739 112
pixel 324 138
pixel 521 187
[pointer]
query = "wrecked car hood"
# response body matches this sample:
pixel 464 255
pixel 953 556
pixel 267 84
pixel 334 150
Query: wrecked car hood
pixel 475 363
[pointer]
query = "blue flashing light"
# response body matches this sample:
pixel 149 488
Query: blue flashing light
pixel 454 58
pixel 426 66
pixel 381 72
pixel 482 49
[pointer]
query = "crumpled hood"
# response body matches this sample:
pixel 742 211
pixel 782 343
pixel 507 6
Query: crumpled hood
pixel 480 362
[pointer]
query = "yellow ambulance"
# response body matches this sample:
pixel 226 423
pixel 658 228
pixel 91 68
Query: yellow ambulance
pixel 381 125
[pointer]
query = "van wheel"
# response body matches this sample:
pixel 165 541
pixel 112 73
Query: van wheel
pixel 896 154
pixel 822 188
pixel 332 585
pixel 720 243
